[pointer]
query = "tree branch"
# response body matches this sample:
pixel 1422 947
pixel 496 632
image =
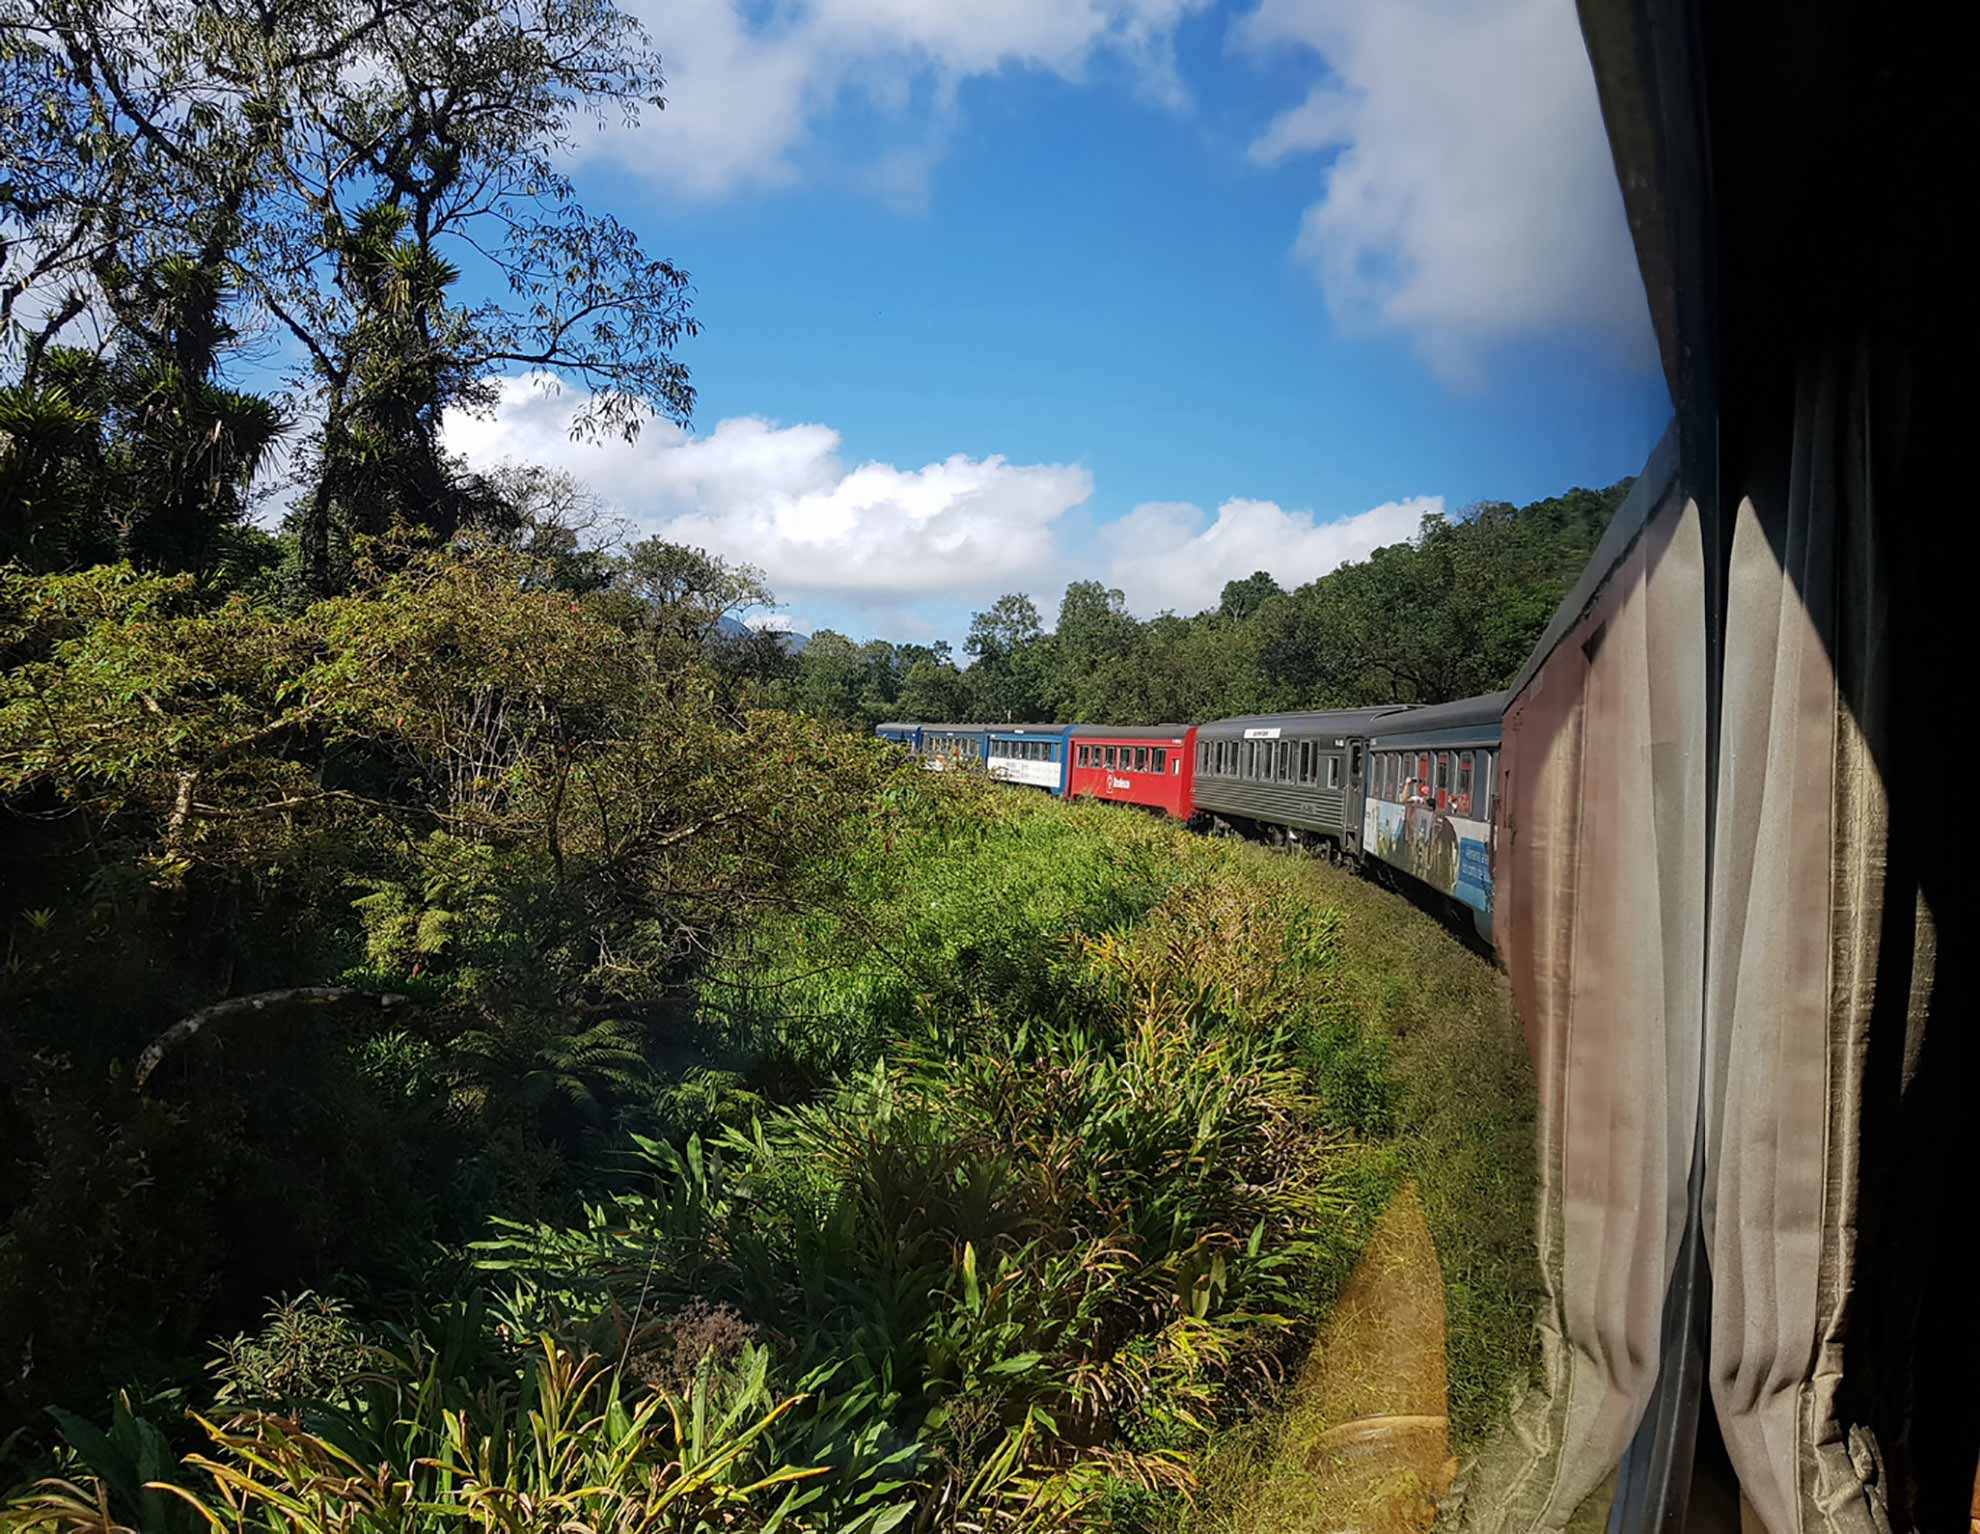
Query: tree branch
pixel 260 1001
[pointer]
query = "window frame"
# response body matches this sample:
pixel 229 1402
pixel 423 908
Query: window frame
pixel 1333 771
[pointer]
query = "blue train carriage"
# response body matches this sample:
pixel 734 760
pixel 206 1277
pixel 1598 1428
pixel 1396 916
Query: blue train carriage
pixel 905 735
pixel 1432 796
pixel 1034 754
pixel 952 747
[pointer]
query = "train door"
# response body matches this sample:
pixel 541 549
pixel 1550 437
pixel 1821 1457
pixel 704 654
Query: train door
pixel 1351 798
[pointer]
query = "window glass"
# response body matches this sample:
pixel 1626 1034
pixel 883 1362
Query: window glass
pixel 1158 760
pixel 1140 758
pixel 1333 772
pixel 1284 773
pixel 1354 761
pixel 1443 782
pixel 1465 762
pixel 1110 758
pixel 1202 755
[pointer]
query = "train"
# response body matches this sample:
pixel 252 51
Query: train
pixel 1409 788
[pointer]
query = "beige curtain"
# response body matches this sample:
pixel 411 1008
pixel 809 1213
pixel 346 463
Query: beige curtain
pixel 1835 1185
pixel 1599 917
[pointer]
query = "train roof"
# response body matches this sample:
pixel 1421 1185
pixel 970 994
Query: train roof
pixel 1465 714
pixel 1131 731
pixel 895 724
pixel 1330 721
pixel 1026 729
pixel 958 729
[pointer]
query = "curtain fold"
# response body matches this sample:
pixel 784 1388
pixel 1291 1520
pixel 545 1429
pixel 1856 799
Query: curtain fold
pixel 1834 1180
pixel 1601 853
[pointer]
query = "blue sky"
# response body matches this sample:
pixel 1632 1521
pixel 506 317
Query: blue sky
pixel 1140 290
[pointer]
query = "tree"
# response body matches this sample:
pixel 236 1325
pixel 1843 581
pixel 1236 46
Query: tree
pixel 933 690
pixel 1241 599
pixel 336 167
pixel 1009 671
pixel 682 595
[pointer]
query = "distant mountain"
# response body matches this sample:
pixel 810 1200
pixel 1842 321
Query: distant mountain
pixel 735 628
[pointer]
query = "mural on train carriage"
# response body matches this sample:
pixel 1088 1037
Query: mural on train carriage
pixel 1432 835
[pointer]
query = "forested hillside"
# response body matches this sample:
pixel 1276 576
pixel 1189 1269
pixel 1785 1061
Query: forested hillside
pixel 1452 613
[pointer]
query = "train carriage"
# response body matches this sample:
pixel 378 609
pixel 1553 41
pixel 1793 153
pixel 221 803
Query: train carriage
pixel 1431 794
pixel 907 735
pixel 946 746
pixel 1035 754
pixel 1295 778
pixel 1150 765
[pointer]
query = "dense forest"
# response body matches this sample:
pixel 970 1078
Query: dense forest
pixel 482 1042
pixel 1450 614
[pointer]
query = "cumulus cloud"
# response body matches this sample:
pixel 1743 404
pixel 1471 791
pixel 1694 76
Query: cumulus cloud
pixel 781 498
pixel 747 83
pixel 1468 193
pixel 1168 555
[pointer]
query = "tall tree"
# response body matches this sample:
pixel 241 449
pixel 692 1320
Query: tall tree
pixel 383 183
pixel 1241 599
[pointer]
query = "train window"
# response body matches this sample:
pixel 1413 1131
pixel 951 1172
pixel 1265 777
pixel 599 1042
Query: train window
pixel 1354 761
pixel 1284 774
pixel 1443 798
pixel 1140 758
pixel 1461 805
pixel 1333 772
pixel 1112 751
pixel 1158 760
pixel 1481 790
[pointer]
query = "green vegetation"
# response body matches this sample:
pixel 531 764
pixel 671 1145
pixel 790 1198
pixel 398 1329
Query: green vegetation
pixel 1450 614
pixel 769 1134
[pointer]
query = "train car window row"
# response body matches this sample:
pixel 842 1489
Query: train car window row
pixel 1459 783
pixel 1125 758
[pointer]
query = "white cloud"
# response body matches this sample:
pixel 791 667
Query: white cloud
pixel 746 84
pixel 911 550
pixel 780 497
pixel 1164 555
pixel 1470 198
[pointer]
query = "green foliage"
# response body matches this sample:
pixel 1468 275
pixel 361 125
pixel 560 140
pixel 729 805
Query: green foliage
pixel 309 1350
pixel 466 786
pixel 1066 1178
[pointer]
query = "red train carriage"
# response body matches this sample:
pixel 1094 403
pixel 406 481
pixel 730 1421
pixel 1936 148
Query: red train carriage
pixel 1153 765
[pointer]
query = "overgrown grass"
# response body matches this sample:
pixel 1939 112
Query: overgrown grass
pixel 1465 1125
pixel 1014 1187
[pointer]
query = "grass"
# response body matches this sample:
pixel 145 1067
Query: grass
pixel 1466 1122
pixel 1460 1107
pixel 1015 1188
